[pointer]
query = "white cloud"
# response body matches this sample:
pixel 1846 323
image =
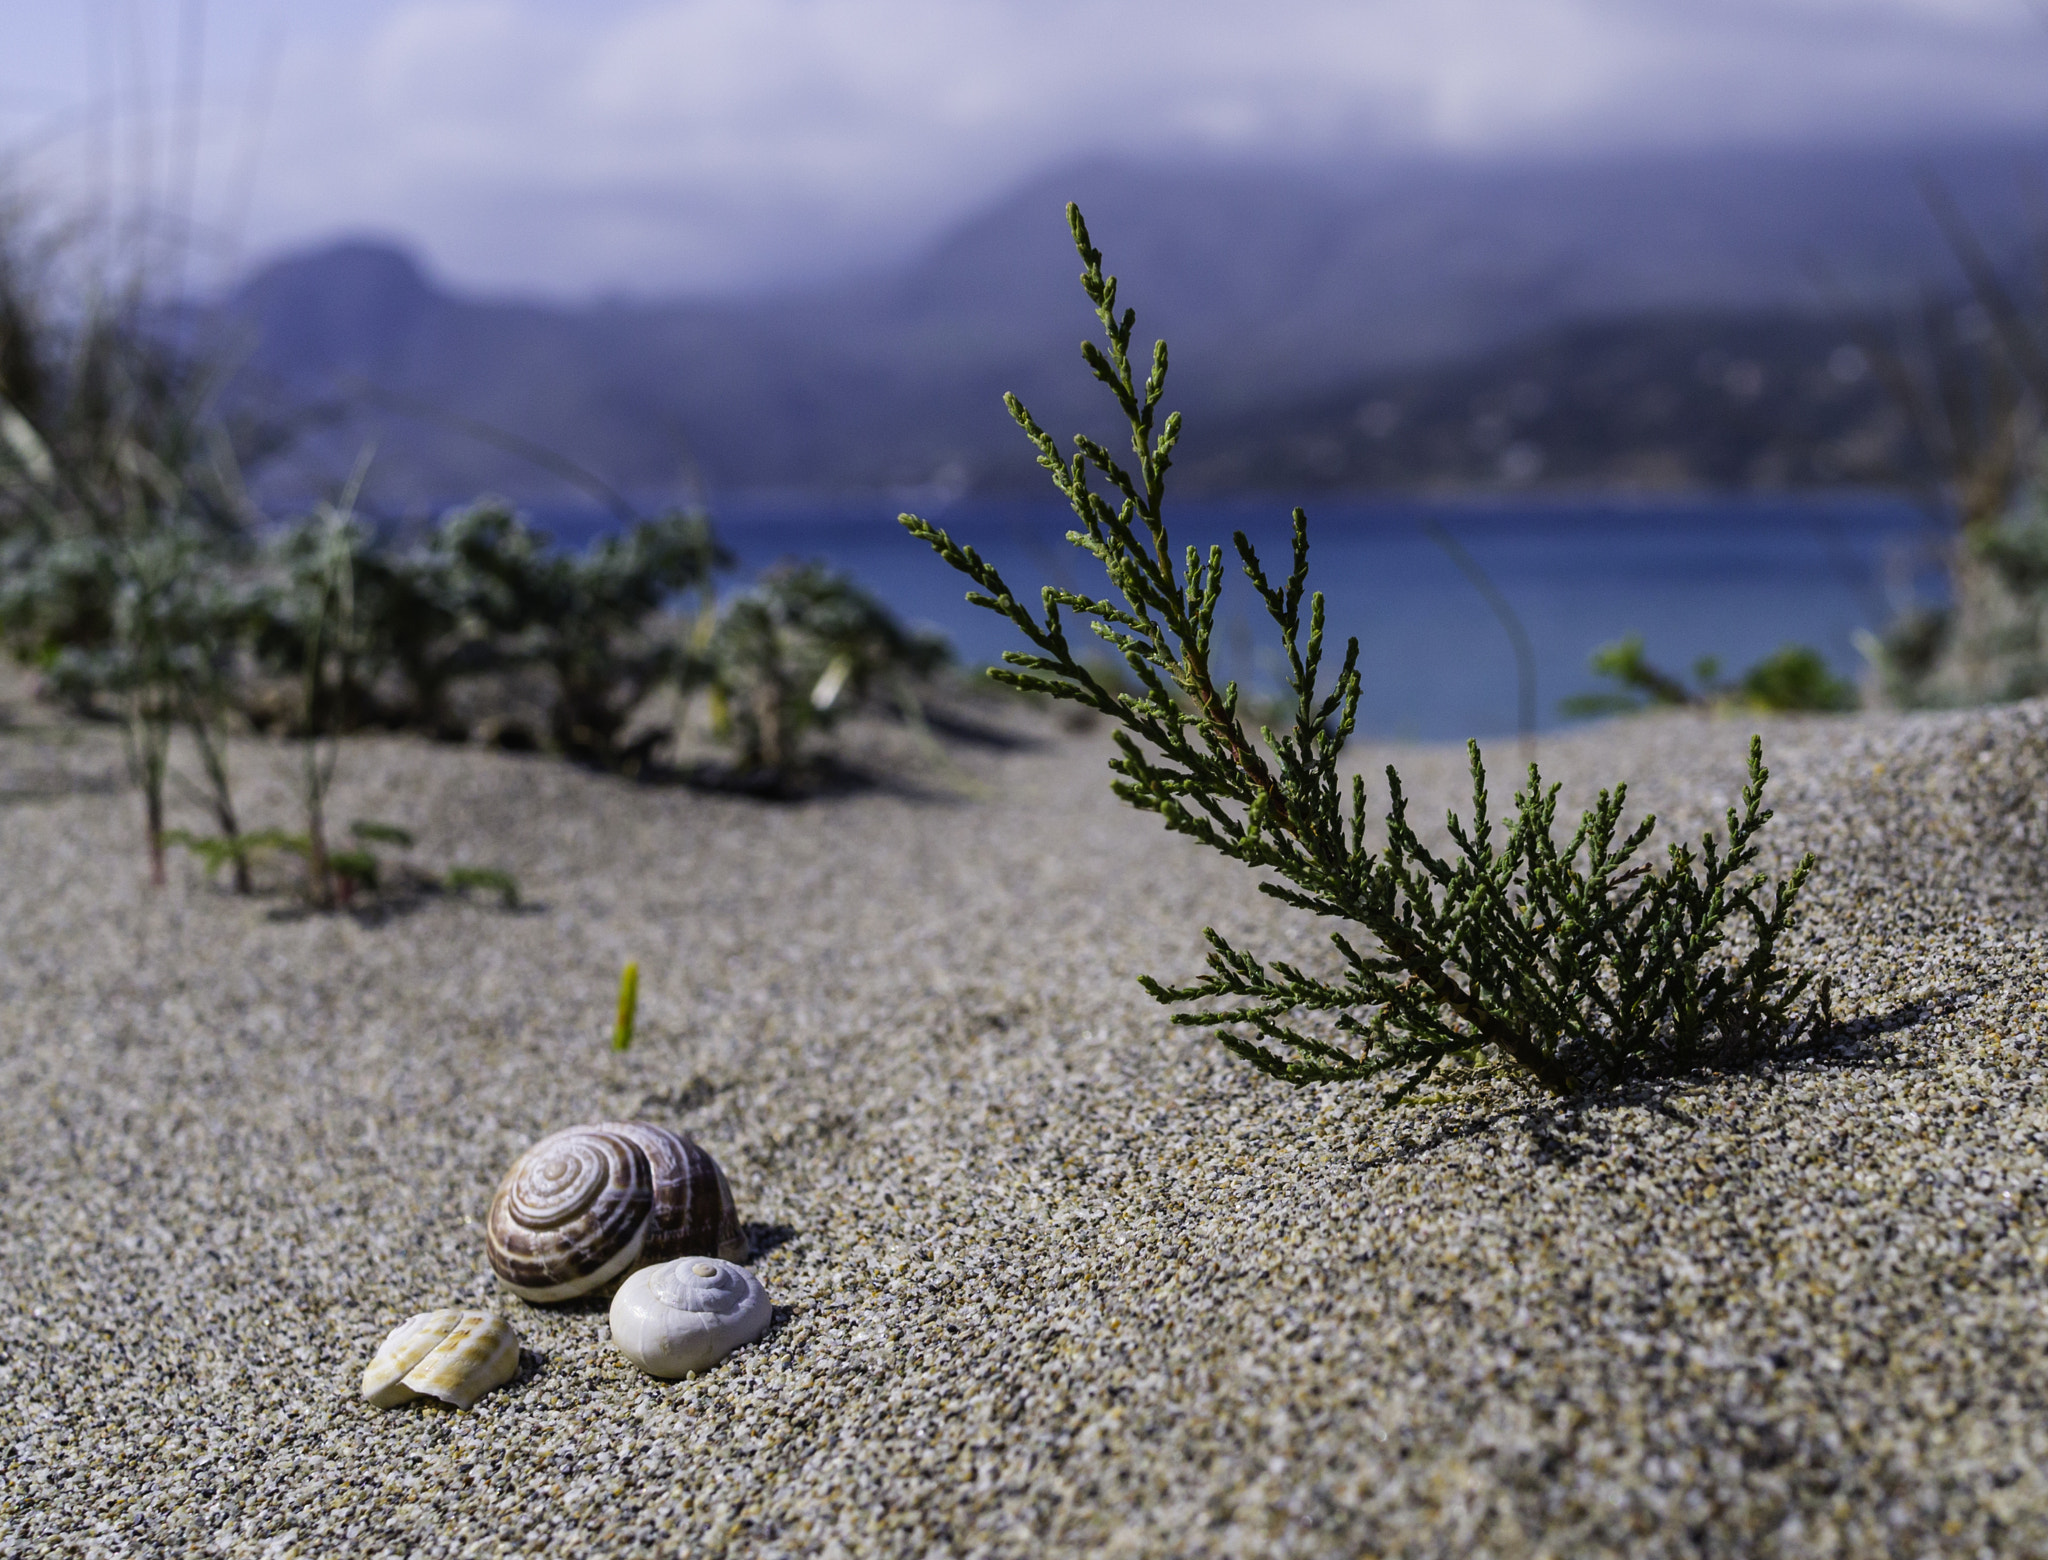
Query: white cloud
pixel 673 143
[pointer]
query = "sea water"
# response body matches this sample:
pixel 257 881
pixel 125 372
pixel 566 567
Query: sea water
pixel 1733 578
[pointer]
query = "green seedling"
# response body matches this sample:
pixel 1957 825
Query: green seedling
pixel 629 1003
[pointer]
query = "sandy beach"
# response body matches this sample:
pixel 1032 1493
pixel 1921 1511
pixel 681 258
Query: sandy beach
pixel 1052 1276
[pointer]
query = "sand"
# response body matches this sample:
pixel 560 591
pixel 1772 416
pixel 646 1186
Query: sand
pixel 1052 1276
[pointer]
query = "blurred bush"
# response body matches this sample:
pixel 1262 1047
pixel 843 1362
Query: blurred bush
pixel 139 579
pixel 592 621
pixel 1793 678
pixel 790 656
pixel 1969 376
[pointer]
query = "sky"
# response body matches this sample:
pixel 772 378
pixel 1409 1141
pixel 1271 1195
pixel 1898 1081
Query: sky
pixel 666 147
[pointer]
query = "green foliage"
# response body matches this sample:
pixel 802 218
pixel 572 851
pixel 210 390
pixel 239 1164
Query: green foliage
pixel 486 594
pixel 789 656
pixel 483 594
pixel 1645 685
pixel 588 618
pixel 219 850
pixel 108 435
pixel 1575 965
pixel 1989 640
pixel 112 453
pixel 57 604
pixel 399 615
pixel 317 604
pixel 1970 377
pixel 2015 544
pixel 371 833
pixel 119 498
pixel 353 871
pixel 489 880
pixel 165 663
pixel 309 606
pixel 214 851
pixel 1566 968
pixel 1792 679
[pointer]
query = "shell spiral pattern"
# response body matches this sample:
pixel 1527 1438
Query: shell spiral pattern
pixel 688 1315
pixel 585 1206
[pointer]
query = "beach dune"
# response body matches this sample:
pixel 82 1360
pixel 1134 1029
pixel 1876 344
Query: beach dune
pixel 1052 1276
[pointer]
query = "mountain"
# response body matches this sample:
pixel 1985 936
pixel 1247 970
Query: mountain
pixel 1659 401
pixel 1281 288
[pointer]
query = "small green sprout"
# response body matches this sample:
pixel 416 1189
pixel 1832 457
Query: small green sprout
pixel 629 1002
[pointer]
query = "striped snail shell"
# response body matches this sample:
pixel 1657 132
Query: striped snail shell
pixel 688 1315
pixel 585 1206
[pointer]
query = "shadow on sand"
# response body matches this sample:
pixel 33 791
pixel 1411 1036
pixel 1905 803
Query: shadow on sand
pixel 1565 1131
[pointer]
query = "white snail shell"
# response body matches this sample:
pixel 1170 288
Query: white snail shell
pixel 587 1205
pixel 456 1356
pixel 688 1315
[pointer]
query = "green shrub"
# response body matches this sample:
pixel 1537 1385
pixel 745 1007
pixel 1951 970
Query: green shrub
pixel 108 438
pixel 409 643
pixel 1989 641
pixel 484 593
pixel 589 618
pixel 1792 679
pixel 165 662
pixel 1564 967
pixel 789 656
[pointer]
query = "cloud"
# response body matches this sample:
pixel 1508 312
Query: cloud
pixel 665 144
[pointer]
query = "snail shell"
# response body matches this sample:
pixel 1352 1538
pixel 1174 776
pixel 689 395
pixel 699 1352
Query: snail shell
pixel 587 1205
pixel 456 1356
pixel 688 1315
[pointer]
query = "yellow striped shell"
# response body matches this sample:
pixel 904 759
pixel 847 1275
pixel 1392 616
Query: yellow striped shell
pixel 455 1356
pixel 585 1206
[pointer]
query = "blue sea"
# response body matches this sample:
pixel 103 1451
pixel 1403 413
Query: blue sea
pixel 1731 578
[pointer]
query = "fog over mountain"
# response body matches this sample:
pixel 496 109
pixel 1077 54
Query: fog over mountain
pixel 1276 284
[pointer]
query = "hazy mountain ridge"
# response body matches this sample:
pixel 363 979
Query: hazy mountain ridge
pixel 1282 289
pixel 1679 401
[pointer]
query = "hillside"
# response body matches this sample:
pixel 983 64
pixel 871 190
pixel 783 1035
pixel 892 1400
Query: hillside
pixel 1650 402
pixel 1277 286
